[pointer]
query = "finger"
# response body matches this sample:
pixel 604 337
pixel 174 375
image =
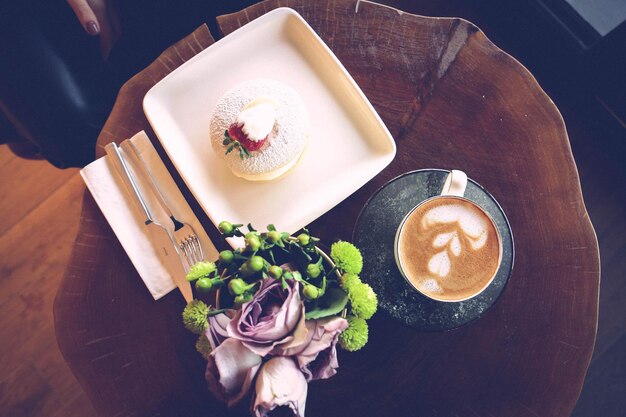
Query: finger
pixel 86 16
pixel 109 24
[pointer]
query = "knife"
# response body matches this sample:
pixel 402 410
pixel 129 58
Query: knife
pixel 161 237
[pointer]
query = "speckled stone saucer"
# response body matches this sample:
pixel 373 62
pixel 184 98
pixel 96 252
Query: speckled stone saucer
pixel 375 232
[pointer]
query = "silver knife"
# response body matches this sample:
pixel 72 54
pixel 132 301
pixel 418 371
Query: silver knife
pixel 160 236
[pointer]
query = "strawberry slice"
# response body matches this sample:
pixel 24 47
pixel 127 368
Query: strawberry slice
pixel 235 131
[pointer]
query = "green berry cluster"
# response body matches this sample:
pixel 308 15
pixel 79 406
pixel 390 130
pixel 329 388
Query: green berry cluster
pixel 279 256
pixel 265 255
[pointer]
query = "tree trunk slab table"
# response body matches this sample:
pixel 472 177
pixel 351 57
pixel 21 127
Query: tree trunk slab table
pixel 451 99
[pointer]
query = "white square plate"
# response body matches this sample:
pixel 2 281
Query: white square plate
pixel 349 144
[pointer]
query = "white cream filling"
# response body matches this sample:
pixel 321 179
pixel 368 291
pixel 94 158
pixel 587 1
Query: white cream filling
pixel 257 118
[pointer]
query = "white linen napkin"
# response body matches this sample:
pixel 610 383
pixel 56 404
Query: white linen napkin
pixel 126 219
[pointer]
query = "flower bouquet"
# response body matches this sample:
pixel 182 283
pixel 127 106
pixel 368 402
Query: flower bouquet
pixel 281 306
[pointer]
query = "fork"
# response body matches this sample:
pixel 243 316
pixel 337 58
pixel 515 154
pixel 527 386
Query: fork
pixel 184 234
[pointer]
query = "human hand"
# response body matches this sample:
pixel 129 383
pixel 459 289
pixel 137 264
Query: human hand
pixel 98 18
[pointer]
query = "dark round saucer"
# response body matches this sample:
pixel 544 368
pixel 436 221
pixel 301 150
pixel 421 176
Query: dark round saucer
pixel 375 232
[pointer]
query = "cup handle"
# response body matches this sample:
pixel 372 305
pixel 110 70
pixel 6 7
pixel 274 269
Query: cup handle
pixel 455 184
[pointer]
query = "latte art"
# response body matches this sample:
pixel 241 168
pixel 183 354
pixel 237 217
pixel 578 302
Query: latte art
pixel 450 248
pixel 468 228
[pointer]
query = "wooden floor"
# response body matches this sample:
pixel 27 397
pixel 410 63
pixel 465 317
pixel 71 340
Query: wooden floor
pixel 39 207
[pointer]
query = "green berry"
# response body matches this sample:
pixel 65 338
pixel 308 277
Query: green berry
pixel 313 271
pixel 256 263
pixel 304 239
pixel 225 227
pixel 275 271
pixel 242 298
pixel 204 285
pixel 237 286
pixel 253 243
pixel 226 256
pixel 273 236
pixel 311 292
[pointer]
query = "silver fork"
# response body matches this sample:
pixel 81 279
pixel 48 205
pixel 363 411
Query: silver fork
pixel 184 233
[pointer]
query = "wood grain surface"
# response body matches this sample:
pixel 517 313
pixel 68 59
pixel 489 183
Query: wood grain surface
pixel 34 250
pixel 451 99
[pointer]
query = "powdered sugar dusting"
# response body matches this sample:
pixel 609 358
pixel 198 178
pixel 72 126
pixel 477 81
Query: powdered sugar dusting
pixel 287 139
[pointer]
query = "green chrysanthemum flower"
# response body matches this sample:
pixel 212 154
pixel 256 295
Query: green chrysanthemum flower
pixel 199 270
pixel 363 300
pixel 195 316
pixel 348 281
pixel 203 346
pixel 347 257
pixel 355 336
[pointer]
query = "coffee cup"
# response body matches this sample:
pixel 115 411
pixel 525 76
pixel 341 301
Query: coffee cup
pixel 447 247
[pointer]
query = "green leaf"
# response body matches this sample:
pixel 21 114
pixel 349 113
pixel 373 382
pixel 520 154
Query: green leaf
pixel 284 283
pixel 271 228
pixel 243 152
pixel 230 148
pixel 333 302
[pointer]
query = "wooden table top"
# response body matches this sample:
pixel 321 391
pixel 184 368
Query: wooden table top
pixel 451 99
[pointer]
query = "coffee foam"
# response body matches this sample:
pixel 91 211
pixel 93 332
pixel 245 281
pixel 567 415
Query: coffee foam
pixel 430 285
pixel 449 247
pixel 475 228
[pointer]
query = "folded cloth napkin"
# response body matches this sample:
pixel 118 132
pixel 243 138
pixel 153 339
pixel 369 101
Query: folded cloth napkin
pixel 127 220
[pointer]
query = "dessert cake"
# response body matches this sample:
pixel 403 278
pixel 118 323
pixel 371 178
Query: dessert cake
pixel 260 128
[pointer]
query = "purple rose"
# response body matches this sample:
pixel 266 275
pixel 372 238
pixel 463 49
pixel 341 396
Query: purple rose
pixel 317 355
pixel 216 332
pixel 280 383
pixel 230 370
pixel 273 320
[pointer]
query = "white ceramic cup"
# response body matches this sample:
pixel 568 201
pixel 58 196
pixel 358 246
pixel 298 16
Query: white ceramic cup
pixel 453 189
